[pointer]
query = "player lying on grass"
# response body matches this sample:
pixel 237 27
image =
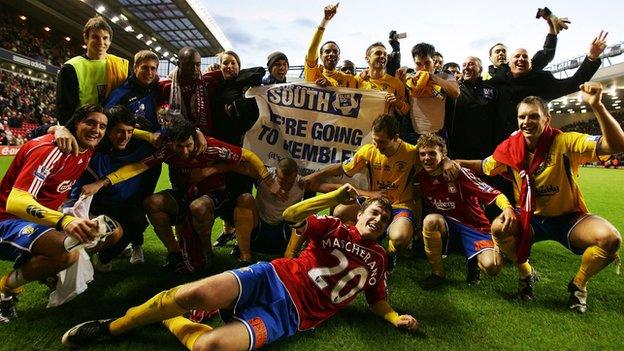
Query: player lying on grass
pixel 33 234
pixel 268 301
pixel 544 163
pixel 457 218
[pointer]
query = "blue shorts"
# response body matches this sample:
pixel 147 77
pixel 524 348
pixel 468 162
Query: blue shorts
pixel 263 305
pixel 557 228
pixel 17 236
pixel 270 238
pixel 473 241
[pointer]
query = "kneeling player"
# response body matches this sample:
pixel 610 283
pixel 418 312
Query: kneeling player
pixel 268 301
pixel 32 232
pixel 456 216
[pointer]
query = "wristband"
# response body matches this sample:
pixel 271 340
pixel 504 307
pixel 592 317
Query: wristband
pixel 59 224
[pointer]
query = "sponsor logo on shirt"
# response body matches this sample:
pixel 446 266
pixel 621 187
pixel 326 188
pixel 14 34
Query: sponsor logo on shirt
pixel 547 190
pixel 65 185
pixel 443 205
pixel 41 173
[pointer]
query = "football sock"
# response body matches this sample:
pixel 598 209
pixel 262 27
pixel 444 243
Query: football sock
pixel 506 242
pixel 433 249
pixel 12 283
pixel 160 307
pixel 391 247
pixel 244 219
pixel 293 245
pixel 524 269
pixel 186 330
pixel 593 261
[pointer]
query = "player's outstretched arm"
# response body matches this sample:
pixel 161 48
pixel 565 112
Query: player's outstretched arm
pixel 385 311
pixel 122 174
pixel 612 141
pixel 298 212
pixel 312 55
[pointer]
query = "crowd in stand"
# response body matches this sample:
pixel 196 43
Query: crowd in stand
pixel 30 39
pixel 23 102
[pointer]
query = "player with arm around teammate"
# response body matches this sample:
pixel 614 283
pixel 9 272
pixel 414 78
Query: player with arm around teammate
pixel 269 301
pixel 456 215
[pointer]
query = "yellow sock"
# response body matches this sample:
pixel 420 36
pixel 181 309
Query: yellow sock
pixel 506 242
pixel 593 261
pixel 244 219
pixel 294 244
pixel 524 269
pixel 160 307
pixel 4 284
pixel 186 330
pixel 391 247
pixel 433 249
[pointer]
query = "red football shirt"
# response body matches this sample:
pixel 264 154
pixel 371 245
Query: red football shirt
pixel 41 169
pixel 180 169
pixel 336 265
pixel 461 199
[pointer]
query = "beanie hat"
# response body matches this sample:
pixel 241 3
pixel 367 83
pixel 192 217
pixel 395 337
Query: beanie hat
pixel 274 57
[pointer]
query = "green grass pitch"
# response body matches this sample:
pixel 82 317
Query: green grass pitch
pixel 456 317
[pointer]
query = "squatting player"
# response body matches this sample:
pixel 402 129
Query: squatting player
pixel 268 301
pixel 544 162
pixel 32 231
pixel 455 213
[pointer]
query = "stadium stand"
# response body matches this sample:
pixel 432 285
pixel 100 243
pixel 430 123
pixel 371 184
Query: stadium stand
pixel 30 38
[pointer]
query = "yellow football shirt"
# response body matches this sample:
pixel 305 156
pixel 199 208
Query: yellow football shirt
pixel 393 174
pixel 312 71
pixel 556 189
pixel 388 84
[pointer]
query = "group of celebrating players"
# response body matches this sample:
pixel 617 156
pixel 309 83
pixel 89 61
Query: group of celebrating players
pixel 195 122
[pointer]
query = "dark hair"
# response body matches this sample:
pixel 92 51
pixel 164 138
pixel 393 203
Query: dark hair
pixel 374 45
pixel 329 42
pixel 82 113
pixel 432 140
pixel 187 51
pixel 386 123
pixel 383 202
pixel 232 53
pixel 120 114
pixel 449 65
pixel 537 101
pixel 436 53
pixel 181 129
pixel 423 50
pixel 288 166
pixel 493 46
pixel 96 23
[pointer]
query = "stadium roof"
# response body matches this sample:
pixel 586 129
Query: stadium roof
pixel 612 79
pixel 164 26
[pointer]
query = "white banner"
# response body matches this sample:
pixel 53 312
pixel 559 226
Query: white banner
pixel 313 125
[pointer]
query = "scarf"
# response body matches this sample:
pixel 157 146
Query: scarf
pixel 512 152
pixel 424 87
pixel 199 114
